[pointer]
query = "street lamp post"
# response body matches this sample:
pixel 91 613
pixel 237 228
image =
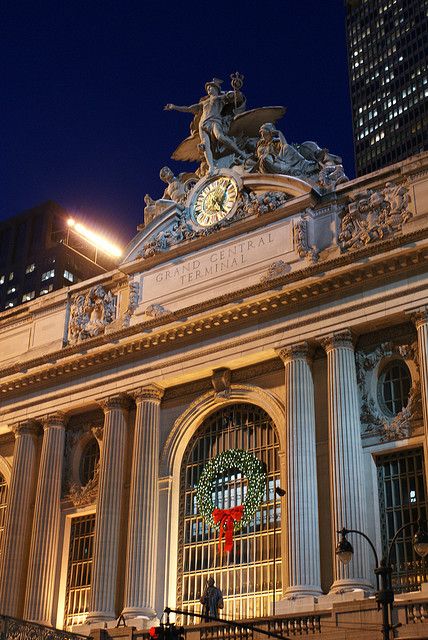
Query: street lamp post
pixel 280 493
pixel 383 570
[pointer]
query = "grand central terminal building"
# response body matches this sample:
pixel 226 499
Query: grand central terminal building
pixel 261 350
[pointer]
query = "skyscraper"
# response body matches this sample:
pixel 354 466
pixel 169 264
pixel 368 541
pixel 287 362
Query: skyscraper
pixel 387 56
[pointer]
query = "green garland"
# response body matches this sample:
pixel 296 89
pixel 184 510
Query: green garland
pixel 250 466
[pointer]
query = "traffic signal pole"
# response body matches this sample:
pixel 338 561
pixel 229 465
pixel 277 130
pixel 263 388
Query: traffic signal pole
pixel 228 623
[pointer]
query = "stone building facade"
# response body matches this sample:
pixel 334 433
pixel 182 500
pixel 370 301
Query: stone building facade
pixel 293 328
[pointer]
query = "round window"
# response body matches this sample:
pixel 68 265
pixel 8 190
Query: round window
pixel 89 461
pixel 394 387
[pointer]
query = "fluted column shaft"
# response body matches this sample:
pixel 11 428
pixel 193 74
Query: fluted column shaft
pixel 302 553
pixel 40 590
pixel 143 507
pixel 109 505
pixel 346 460
pixel 17 531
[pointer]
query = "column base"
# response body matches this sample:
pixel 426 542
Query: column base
pixel 100 618
pixel 140 615
pixel 292 604
pixel 345 585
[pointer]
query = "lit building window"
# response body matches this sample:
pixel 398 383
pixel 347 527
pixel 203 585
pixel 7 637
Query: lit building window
pixel 394 387
pixel 10 304
pixel 3 505
pixel 68 275
pixel 402 499
pixel 11 274
pixel 248 579
pixel 89 461
pixel 28 296
pixel 30 268
pixel 2 278
pixel 48 274
pixel 11 290
pixel 46 290
pixel 79 570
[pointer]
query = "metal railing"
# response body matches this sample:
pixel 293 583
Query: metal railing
pixel 14 629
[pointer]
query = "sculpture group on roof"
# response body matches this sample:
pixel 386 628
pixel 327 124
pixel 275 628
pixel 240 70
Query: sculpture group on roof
pixel 224 135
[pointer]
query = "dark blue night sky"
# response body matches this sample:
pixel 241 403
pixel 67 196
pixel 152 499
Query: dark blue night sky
pixel 83 85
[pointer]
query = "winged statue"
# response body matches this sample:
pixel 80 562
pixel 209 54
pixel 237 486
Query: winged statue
pixel 222 132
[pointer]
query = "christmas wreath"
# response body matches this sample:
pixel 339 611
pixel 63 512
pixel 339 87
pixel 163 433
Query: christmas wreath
pixel 232 519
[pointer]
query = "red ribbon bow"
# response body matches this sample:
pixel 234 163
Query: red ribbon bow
pixel 227 518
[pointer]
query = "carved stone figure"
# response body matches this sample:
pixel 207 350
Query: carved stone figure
pixel 90 314
pixel 372 215
pixel 275 155
pixel 222 133
pixel 176 191
pixel 211 600
pixel 134 294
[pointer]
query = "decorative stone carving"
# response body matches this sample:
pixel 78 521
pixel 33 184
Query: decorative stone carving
pixel 182 228
pixel 373 420
pixel 269 201
pixel 176 192
pixel 134 295
pixel 90 314
pixel 300 235
pixel 220 380
pixel 79 495
pixel 276 270
pixel 373 215
pixel 156 311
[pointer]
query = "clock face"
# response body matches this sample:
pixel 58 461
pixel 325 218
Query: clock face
pixel 215 201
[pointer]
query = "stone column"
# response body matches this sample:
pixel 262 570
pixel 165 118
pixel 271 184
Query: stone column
pixel 109 505
pixel 17 530
pixel 302 551
pixel 40 591
pixel 347 483
pixel 420 318
pixel 143 507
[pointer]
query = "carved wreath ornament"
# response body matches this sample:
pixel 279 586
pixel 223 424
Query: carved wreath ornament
pixel 228 520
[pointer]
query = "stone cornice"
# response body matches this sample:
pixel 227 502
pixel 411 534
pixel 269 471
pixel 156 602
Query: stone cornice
pixel 97 353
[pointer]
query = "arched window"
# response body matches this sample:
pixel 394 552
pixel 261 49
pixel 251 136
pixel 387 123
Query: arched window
pixel 395 382
pixel 89 461
pixel 3 505
pixel 248 574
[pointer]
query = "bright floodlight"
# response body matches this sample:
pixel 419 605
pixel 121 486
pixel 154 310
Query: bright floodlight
pixel 98 241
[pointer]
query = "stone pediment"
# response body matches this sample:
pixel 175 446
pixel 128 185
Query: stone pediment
pixel 178 223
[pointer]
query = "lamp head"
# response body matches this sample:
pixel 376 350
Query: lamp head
pixel 420 539
pixel 280 492
pixel 344 549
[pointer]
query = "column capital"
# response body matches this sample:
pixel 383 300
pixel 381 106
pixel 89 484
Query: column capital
pixel 299 350
pixel 149 392
pixel 56 420
pixel 24 427
pixel 340 339
pixel 119 401
pixel 419 317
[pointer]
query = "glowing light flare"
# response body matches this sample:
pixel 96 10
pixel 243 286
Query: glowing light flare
pixel 98 241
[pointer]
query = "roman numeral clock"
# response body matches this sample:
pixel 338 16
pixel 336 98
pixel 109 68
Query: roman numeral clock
pixel 214 200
